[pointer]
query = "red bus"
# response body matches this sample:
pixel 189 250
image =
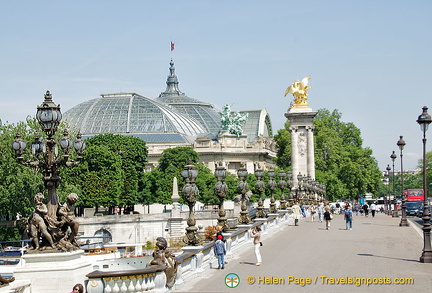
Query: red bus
pixel 414 194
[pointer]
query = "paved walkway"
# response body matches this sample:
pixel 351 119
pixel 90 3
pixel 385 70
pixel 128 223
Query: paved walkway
pixel 377 250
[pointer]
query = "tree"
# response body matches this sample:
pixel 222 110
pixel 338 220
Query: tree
pixel 102 181
pixel 428 172
pixel 132 152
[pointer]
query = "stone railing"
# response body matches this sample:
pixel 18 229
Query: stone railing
pixel 150 279
pixel 195 262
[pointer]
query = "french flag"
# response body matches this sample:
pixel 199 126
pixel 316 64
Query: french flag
pixel 172 46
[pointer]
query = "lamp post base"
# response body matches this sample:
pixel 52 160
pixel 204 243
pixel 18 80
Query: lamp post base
pixel 395 214
pixel 404 223
pixel 426 257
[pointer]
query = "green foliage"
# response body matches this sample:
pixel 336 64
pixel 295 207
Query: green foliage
pixel 132 153
pixel 149 245
pixel 9 234
pixel 102 183
pixel 18 184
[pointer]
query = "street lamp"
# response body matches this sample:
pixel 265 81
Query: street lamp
pixel 290 186
pixel 388 208
pixel 393 157
pixel 282 185
pixel 221 191
pixel 272 185
pixel 424 120
pixel 242 188
pixel 259 186
pixel 403 222
pixel 190 195
pixel 300 178
pixel 44 155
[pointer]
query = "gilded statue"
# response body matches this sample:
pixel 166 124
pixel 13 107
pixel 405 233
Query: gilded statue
pixel 299 90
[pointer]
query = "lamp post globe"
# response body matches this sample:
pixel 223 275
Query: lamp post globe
pixel 424 120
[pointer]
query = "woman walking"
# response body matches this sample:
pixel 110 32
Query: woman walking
pixel 312 211
pixel 256 235
pixel 296 213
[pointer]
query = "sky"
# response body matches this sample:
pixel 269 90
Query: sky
pixel 370 60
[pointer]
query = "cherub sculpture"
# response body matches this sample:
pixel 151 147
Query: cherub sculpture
pixel 162 256
pixel 299 90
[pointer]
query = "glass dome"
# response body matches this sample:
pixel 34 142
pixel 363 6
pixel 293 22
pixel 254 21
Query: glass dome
pixel 130 113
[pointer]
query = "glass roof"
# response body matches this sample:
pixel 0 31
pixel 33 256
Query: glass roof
pixel 257 124
pixel 129 113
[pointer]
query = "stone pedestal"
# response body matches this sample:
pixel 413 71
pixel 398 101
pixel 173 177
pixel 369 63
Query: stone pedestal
pixel 302 142
pixel 54 272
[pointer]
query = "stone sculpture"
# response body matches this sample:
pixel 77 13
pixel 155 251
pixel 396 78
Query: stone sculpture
pixel 161 256
pixel 48 233
pixel 232 121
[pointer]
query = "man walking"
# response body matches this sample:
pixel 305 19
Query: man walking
pixel 348 218
pixel 373 209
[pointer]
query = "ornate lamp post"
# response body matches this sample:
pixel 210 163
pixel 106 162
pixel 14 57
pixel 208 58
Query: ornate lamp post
pixel 272 185
pixel 393 157
pixel 45 154
pixel 243 187
pixel 387 198
pixel 221 191
pixel 299 186
pixel 290 186
pixel 403 222
pixel 424 120
pixel 259 186
pixel 190 195
pixel 282 185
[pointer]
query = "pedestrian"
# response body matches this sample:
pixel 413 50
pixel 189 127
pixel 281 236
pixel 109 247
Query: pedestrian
pixel 220 251
pixel 373 209
pixel 328 217
pixel 366 209
pixel 78 288
pixel 348 218
pixel 296 211
pixel 321 212
pixel 256 235
pixel 303 211
pixel 312 211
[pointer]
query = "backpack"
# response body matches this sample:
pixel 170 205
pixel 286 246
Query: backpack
pixel 348 213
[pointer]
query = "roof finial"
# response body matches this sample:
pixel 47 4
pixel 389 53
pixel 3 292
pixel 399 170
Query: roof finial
pixel 172 83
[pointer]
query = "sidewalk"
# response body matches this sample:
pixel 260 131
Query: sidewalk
pixel 376 250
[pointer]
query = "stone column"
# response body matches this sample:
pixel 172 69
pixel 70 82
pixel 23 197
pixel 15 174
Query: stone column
pixel 310 152
pixel 294 154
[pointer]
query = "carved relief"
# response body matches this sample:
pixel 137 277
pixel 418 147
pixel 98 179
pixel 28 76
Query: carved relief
pixel 301 144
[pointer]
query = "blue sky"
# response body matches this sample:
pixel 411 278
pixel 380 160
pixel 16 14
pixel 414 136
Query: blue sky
pixel 371 60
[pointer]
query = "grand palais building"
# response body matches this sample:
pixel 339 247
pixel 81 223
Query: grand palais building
pixel 174 119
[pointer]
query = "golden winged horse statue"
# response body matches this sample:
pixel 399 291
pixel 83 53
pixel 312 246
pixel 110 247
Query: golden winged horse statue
pixel 299 90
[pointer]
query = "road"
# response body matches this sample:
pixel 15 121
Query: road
pixel 377 250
